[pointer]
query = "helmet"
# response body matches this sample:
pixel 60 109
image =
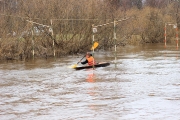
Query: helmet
pixel 89 54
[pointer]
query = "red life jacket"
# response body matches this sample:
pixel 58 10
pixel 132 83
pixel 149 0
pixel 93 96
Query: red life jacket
pixel 90 60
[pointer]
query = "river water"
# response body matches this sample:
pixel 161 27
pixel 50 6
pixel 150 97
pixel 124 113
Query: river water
pixel 144 84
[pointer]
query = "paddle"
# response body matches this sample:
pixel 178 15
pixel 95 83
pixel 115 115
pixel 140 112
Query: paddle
pixel 93 47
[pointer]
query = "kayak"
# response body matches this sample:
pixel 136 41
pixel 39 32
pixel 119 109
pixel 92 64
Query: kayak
pixel 102 64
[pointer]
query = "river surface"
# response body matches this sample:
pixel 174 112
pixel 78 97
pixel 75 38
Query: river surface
pixel 144 84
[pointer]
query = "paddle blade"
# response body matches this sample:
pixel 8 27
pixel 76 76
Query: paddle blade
pixel 95 45
pixel 73 66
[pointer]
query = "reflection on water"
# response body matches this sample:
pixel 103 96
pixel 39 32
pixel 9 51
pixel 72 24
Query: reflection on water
pixel 91 76
pixel 91 90
pixel 145 84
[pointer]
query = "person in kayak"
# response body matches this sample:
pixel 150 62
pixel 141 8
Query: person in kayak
pixel 89 59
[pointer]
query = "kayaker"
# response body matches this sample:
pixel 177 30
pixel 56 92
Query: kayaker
pixel 89 59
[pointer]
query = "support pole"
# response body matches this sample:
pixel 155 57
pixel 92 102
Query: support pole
pixel 177 39
pixel 53 39
pixel 32 41
pixel 93 38
pixel 165 36
pixel 115 41
pixel 94 30
pixel 93 50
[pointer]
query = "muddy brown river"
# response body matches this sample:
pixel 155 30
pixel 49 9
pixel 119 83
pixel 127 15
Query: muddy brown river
pixel 144 84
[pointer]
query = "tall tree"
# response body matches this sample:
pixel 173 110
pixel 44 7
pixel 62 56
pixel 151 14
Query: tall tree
pixel 158 3
pixel 126 4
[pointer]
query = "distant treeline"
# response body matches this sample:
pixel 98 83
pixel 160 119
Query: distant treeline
pixel 45 28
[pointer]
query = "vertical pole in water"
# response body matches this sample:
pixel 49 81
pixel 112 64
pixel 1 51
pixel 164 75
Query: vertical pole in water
pixel 32 41
pixel 52 38
pixel 93 39
pixel 177 36
pixel 94 30
pixel 115 41
pixel 93 42
pixel 165 36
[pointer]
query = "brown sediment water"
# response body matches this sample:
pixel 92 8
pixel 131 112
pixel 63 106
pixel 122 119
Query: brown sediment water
pixel 143 84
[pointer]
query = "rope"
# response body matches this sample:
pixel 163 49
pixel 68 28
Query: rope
pixel 109 23
pixel 38 23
